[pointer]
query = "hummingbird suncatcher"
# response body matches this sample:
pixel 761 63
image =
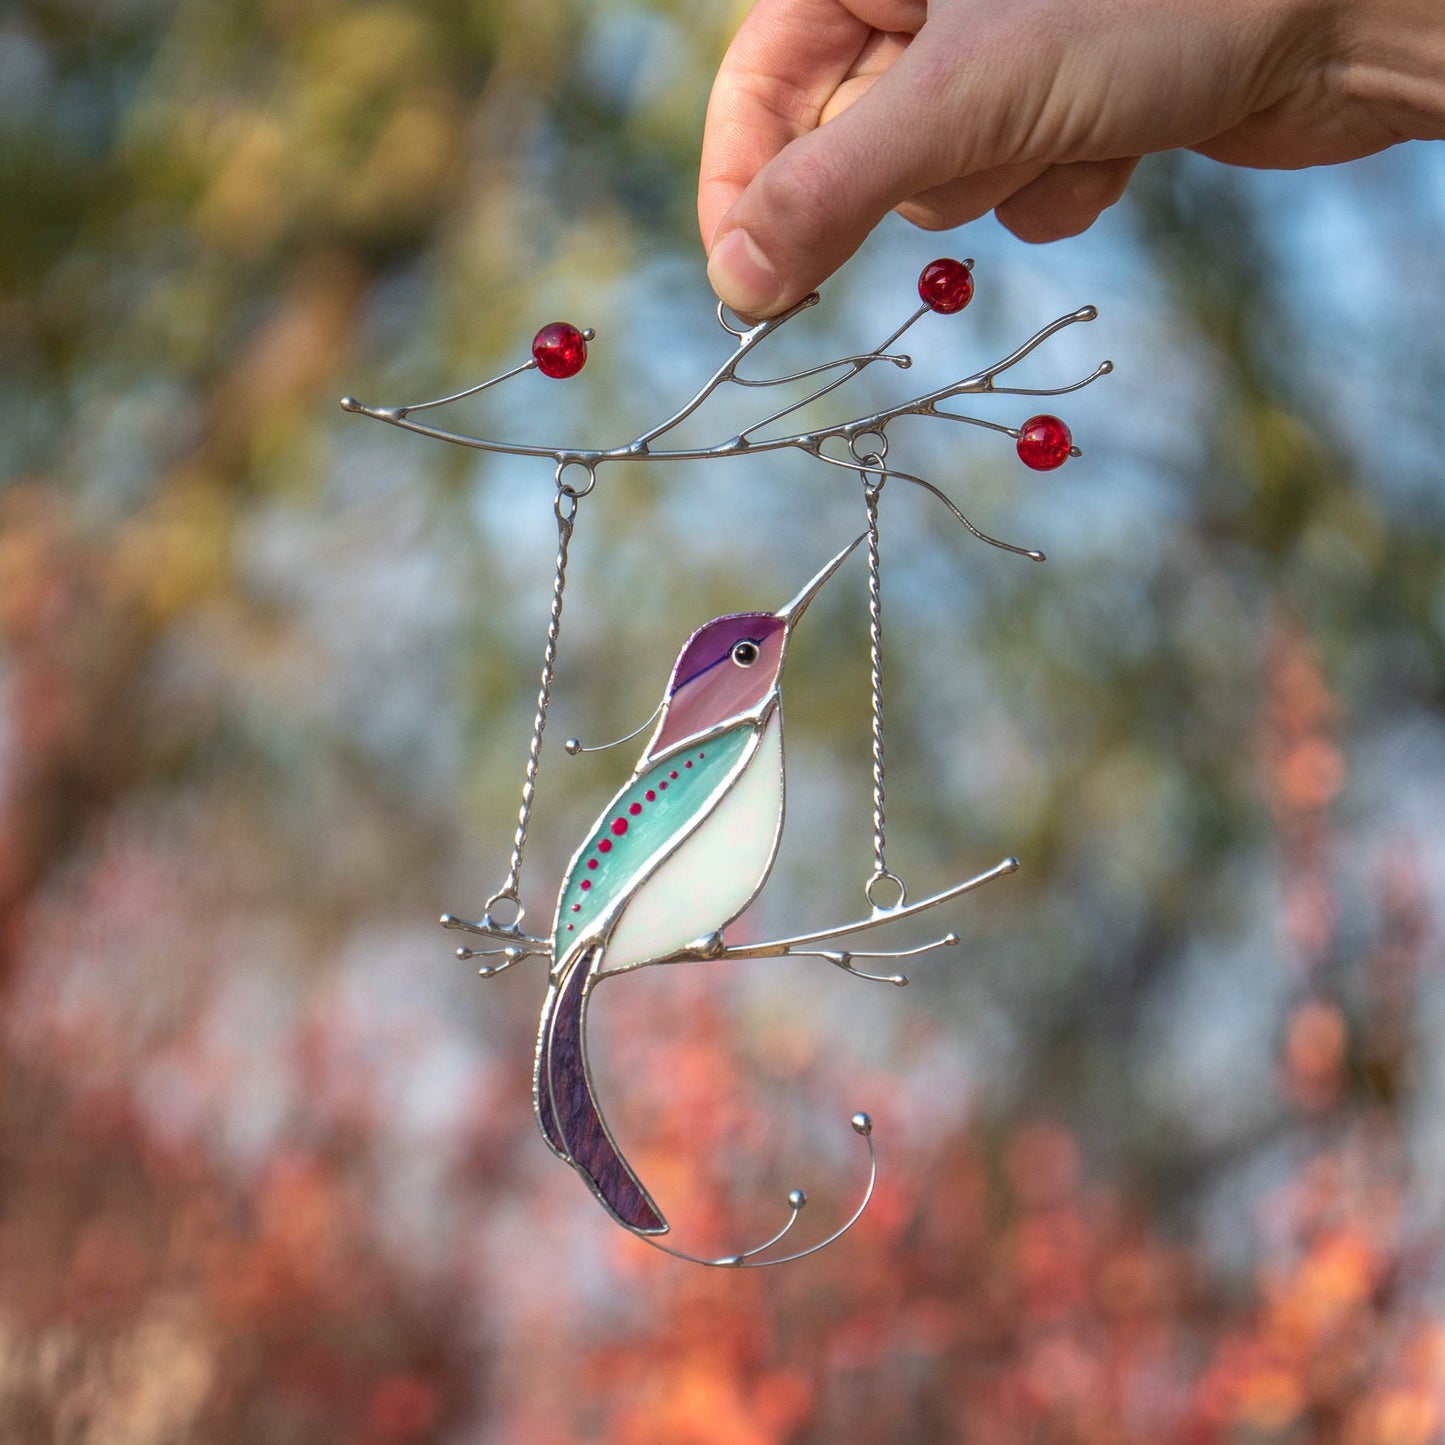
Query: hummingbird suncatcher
pixel 677 855
pixel 689 840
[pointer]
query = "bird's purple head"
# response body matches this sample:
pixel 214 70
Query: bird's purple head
pixel 730 667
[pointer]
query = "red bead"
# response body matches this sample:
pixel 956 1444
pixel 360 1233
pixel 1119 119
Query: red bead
pixel 559 350
pixel 1044 443
pixel 945 285
pixel 619 826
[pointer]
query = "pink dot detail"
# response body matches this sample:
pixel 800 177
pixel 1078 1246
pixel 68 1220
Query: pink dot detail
pixel 688 763
pixel 605 846
pixel 576 908
pixel 619 826
pixel 586 884
pixel 591 862
pixel 672 774
pixel 635 809
pixel 650 796
pixel 570 927
pixel 663 786
pixel 702 755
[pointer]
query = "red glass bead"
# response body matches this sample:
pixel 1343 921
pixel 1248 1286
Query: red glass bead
pixel 945 285
pixel 1044 443
pixel 559 350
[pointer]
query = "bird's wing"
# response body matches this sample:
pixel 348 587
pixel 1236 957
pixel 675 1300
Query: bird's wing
pixel 647 822
pixel 714 873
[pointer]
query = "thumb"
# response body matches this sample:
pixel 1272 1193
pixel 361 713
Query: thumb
pixel 810 208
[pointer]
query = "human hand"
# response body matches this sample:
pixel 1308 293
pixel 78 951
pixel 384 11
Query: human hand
pixel 826 114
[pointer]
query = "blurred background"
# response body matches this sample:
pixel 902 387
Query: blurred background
pixel 1161 1144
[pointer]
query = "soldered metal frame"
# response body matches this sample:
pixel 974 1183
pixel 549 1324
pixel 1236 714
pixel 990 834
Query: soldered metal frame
pixel 866 442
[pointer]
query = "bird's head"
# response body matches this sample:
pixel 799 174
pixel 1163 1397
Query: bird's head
pixel 729 668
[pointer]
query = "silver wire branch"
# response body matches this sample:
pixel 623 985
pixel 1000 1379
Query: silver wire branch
pixel 515 945
pixel 714 947
pixel 1032 553
pixel 749 338
pixel 862 1125
pixel 856 364
pixel 843 958
pixel 529 365
pixel 573 746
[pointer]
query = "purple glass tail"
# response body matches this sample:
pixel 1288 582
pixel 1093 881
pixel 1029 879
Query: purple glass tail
pixel 568 1113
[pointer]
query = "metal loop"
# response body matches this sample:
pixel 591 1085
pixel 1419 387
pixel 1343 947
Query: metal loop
pixel 566 489
pixel 869 447
pixel 885 877
pixel 503 895
pixel 738 331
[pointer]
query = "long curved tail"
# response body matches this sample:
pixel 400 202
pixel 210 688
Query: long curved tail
pixel 571 1122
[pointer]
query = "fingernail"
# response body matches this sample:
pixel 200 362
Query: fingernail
pixel 742 276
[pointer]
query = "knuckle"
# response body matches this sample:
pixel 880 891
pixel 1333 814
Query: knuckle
pixel 926 217
pixel 807 193
pixel 1094 187
pixel 1031 221
pixel 1064 200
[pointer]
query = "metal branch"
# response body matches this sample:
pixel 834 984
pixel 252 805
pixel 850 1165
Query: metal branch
pixel 1104 368
pixel 640 448
pixel 878 354
pixel 509 935
pixel 510 956
pixel 843 958
pixel 902 361
pixel 1084 313
pixel 862 1125
pixel 747 338
pixel 876 918
pixel 1031 553
pixel 714 947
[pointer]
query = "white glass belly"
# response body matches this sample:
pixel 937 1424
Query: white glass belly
pixel 716 872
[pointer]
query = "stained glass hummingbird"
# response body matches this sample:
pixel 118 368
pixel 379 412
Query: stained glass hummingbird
pixel 686 845
pixel 679 853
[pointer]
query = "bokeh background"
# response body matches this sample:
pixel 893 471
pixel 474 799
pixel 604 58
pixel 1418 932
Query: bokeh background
pixel 1161 1142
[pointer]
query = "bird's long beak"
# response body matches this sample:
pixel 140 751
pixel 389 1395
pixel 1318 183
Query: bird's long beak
pixel 795 609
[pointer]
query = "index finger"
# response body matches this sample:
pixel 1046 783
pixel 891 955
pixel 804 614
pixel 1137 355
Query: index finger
pixel 783 66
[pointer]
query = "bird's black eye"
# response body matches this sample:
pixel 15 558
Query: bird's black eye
pixel 745 653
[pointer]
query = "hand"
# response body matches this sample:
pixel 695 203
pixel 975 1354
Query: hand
pixel 826 114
